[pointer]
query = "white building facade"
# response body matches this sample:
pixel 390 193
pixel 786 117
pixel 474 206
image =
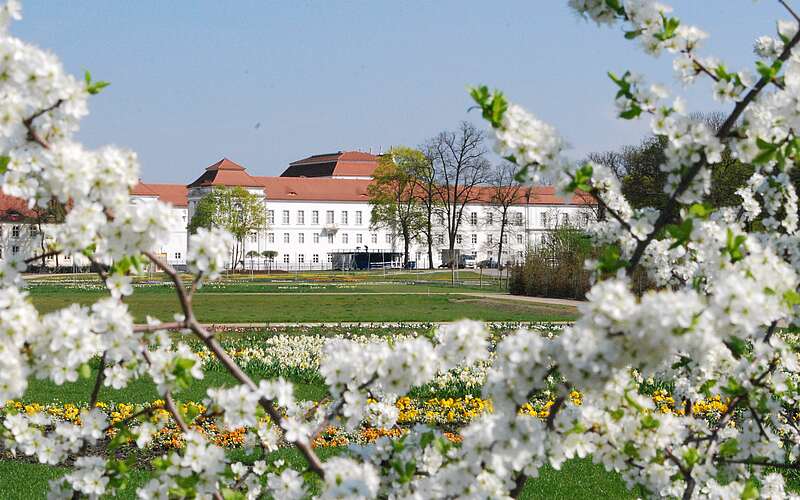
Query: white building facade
pixel 319 207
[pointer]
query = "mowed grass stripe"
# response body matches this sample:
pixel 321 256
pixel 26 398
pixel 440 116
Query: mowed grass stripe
pixel 238 308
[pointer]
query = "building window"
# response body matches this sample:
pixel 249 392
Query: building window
pixel 519 254
pixel 330 239
pixel 473 218
pixel 330 258
pixel 177 255
pixel 474 239
pixel 440 217
pixel 489 239
pixel 519 239
pixel 329 217
pixel 286 237
pixel 388 238
pixel 344 217
pixel 345 238
pixel 15 231
pixel 315 258
pixel 316 237
pixel 359 218
pixel 286 258
pixel 301 238
pixel 458 239
pixel 270 216
pixel 374 238
pixel 33 231
pixel 518 218
pixel 253 237
pixel 301 258
pixel 14 250
pixel 285 217
pixel 544 219
pixel 315 217
pixel 271 237
pixel 440 239
pixel 489 219
pixel 505 239
pixel 271 258
pixel 301 217
pixel 565 219
pixel 359 238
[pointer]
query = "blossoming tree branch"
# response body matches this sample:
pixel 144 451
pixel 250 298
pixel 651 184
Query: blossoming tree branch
pixel 727 278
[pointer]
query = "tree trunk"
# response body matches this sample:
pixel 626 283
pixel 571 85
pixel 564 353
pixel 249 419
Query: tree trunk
pixel 405 247
pixel 500 246
pixel 430 242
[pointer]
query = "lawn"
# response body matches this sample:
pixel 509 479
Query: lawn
pixel 223 307
pixel 577 479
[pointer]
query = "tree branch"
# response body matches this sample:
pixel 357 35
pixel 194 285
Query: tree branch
pixel 28 122
pixel 314 463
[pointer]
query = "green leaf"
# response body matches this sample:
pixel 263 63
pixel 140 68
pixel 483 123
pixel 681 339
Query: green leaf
pixel 701 210
pixel 96 87
pixel 681 233
pixel 734 246
pixel 4 161
pixel 630 35
pixel 729 448
pixel 791 298
pixel 737 346
pixel 649 422
pixel 87 77
pixel 705 389
pixel 750 491
pixel 691 457
pixel 229 494
pixel 493 104
pixel 582 179
pixel 85 370
pixel 610 261
pixel 632 113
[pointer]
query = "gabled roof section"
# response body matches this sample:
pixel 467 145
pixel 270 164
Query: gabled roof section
pixel 339 164
pixel 174 194
pixel 225 173
pixel 13 209
pixel 315 189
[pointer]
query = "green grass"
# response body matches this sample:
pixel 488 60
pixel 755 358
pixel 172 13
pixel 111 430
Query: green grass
pixel 237 308
pixel 143 390
pixel 577 479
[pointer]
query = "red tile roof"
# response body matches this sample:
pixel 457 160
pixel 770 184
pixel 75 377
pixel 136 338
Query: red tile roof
pixel 340 164
pixel 225 173
pixel 175 194
pixel 14 209
pixel 314 188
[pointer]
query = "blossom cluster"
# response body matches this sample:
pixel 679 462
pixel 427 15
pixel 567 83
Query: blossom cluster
pixel 728 278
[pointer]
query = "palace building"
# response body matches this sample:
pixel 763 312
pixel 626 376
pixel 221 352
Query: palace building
pixel 318 209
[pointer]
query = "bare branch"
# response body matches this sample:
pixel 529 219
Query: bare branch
pixel 28 122
pixel 791 11
pixel 314 463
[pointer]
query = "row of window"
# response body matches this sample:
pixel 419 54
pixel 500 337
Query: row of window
pixel 301 238
pixel 17 230
pixel 345 238
pixel 300 217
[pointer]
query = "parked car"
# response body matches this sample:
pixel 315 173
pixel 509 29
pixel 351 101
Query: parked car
pixel 468 261
pixel 488 264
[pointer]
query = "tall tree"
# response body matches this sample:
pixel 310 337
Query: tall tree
pixel 234 209
pixel 639 171
pixel 426 194
pixel 391 195
pixel 505 191
pixel 460 167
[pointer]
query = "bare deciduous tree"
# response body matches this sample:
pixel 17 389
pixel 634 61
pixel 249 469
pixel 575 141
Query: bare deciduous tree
pixel 459 166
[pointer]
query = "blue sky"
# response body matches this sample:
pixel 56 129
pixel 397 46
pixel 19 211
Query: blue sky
pixel 265 83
